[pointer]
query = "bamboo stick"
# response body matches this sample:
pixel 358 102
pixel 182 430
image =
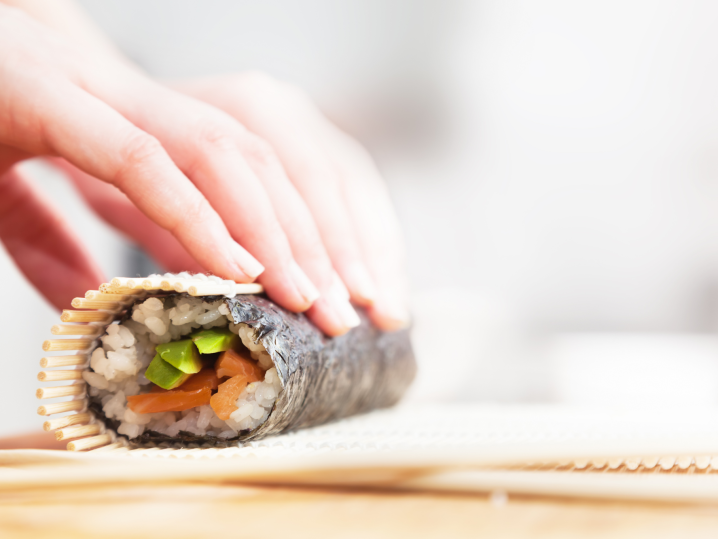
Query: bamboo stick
pixel 96 294
pixel 68 420
pixel 180 286
pixel 207 289
pixel 82 303
pixel 78 329
pixel 61 391
pixel 107 288
pixel 154 283
pixel 78 431
pixel 60 407
pixel 166 285
pixel 128 291
pixel 58 345
pixel 63 361
pixel 57 376
pixel 116 445
pixel 125 282
pixel 121 282
pixel 217 289
pixel 89 443
pixel 702 461
pixel 86 316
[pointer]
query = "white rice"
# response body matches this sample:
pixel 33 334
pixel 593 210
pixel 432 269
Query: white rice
pixel 119 367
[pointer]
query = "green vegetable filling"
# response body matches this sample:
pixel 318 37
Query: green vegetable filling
pixel 176 361
pixel 165 375
pixel 210 341
pixel 182 355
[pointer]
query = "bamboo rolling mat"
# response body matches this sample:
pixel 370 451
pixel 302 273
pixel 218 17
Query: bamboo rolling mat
pixel 85 323
pixel 536 450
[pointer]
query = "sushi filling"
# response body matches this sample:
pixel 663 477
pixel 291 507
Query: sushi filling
pixel 120 364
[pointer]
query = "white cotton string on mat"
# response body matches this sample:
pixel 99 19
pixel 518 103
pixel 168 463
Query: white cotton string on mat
pixel 85 324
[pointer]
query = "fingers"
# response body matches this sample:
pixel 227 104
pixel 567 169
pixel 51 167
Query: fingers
pixel 339 184
pixel 243 179
pixel 356 186
pixel 378 228
pixel 332 312
pixel 116 151
pixel 370 210
pixel 258 201
pixel 315 178
pixel 42 244
pixel 95 113
pixel 117 210
pixel 272 114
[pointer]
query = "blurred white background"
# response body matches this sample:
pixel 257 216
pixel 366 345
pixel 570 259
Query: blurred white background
pixel 554 165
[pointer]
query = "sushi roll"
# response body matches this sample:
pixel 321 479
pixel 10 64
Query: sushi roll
pixel 191 359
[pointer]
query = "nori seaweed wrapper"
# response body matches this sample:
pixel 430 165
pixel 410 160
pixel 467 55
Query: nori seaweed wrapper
pixel 323 378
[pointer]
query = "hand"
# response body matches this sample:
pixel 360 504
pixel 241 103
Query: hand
pixel 193 170
pixel 339 216
pixel 339 183
pixel 59 100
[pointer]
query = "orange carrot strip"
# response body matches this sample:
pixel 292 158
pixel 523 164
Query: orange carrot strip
pixel 207 377
pixel 223 402
pixel 169 401
pixel 230 363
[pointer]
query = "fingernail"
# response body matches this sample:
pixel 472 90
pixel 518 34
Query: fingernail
pixel 306 288
pixel 392 310
pixel 343 309
pixel 338 287
pixel 249 265
pixel 362 285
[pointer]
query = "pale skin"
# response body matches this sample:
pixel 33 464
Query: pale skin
pixel 238 175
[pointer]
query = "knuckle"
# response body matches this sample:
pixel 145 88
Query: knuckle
pixel 212 136
pixel 193 212
pixel 140 147
pixel 312 170
pixel 138 152
pixel 258 151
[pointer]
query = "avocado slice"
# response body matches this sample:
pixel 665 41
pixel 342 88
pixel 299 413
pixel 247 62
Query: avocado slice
pixel 210 341
pixel 165 375
pixel 182 355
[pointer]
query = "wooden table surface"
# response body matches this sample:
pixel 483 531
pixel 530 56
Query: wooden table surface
pixel 225 509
